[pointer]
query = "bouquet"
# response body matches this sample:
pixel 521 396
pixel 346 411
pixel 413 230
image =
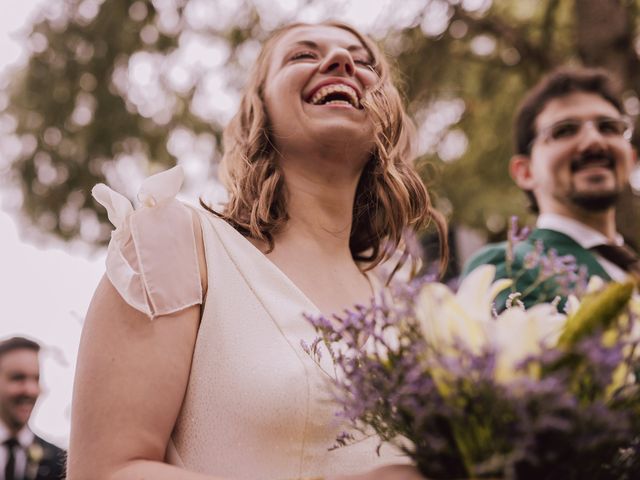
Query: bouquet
pixel 466 392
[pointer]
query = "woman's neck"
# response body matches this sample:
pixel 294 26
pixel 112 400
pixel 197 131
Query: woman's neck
pixel 320 198
pixel 312 248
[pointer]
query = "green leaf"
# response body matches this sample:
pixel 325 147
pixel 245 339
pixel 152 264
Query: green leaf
pixel 598 311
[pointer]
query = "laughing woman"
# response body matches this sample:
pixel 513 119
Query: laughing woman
pixel 190 365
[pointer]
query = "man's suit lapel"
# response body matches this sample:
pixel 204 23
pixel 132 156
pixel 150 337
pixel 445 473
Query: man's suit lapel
pixel 42 463
pixel 565 245
pixel 35 456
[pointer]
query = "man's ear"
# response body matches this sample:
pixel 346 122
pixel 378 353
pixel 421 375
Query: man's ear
pixel 520 171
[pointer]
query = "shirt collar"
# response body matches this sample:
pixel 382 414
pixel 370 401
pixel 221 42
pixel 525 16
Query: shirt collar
pixel 24 436
pixel 585 236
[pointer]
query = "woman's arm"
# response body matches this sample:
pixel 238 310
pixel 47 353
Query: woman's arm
pixel 131 376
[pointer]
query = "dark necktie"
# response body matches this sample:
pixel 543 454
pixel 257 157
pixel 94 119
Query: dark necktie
pixel 10 467
pixel 622 256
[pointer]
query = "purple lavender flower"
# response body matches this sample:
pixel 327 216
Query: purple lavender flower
pixel 559 419
pixel 515 235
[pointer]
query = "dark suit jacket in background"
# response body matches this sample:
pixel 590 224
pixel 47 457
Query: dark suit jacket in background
pixel 52 464
pixel 496 254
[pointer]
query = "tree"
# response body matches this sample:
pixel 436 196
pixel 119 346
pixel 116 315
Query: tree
pixel 106 97
pixel 489 58
pixel 118 87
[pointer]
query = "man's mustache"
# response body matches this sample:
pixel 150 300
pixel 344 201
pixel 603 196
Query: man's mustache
pixel 605 159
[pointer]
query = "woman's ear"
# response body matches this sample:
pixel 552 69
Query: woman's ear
pixel 520 171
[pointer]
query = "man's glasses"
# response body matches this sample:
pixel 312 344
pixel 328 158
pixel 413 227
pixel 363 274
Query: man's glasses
pixel 570 128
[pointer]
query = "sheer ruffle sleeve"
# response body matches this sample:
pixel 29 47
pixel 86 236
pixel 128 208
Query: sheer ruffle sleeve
pixel 152 259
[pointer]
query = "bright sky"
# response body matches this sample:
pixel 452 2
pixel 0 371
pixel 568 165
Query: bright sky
pixel 45 292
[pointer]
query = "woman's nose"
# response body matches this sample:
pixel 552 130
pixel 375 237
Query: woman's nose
pixel 338 62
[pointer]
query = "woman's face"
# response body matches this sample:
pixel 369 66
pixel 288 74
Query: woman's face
pixel 316 78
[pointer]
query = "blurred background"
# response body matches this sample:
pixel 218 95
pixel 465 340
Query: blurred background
pixel 115 90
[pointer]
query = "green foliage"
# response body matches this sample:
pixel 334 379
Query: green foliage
pixel 530 38
pixel 64 152
pixel 597 311
pixel 78 119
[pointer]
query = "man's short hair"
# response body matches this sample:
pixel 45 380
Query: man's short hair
pixel 17 343
pixel 560 83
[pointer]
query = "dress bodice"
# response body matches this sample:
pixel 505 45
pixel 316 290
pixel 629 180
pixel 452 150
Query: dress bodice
pixel 256 405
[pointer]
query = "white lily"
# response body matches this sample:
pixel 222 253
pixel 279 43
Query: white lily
pixel 595 284
pixel 445 316
pixel 518 333
pixel 572 305
pixel 467 316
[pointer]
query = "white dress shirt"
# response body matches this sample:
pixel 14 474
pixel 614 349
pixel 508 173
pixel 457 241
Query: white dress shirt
pixel 25 438
pixel 586 237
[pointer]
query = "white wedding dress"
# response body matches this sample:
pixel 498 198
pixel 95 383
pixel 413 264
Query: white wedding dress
pixel 256 406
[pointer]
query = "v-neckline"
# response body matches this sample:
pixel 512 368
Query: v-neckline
pixel 266 260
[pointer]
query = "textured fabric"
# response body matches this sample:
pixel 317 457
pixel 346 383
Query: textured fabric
pixel 25 438
pixel 496 254
pixel 621 255
pixel 10 467
pixel 256 405
pixel 152 259
pixel 46 461
pixel 586 237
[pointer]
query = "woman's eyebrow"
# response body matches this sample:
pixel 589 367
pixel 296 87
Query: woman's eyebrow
pixel 307 43
pixel 312 44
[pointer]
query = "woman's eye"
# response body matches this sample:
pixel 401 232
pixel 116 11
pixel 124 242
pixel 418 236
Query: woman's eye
pixel 303 55
pixel 364 63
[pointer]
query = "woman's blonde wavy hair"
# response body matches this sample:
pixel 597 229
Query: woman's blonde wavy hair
pixel 390 196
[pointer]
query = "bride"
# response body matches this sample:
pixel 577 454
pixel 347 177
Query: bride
pixel 190 365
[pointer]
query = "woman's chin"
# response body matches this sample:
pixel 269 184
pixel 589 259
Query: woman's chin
pixel 344 133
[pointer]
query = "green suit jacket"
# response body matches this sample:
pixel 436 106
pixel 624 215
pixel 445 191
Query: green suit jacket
pixel 525 279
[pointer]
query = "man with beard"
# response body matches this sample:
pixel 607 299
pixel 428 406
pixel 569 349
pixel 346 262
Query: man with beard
pixel 23 455
pixel 573 160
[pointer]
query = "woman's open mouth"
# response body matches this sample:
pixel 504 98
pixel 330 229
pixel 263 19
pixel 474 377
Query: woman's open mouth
pixel 335 94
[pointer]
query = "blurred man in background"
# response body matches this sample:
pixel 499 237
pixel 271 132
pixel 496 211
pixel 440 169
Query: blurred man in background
pixel 573 160
pixel 23 455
